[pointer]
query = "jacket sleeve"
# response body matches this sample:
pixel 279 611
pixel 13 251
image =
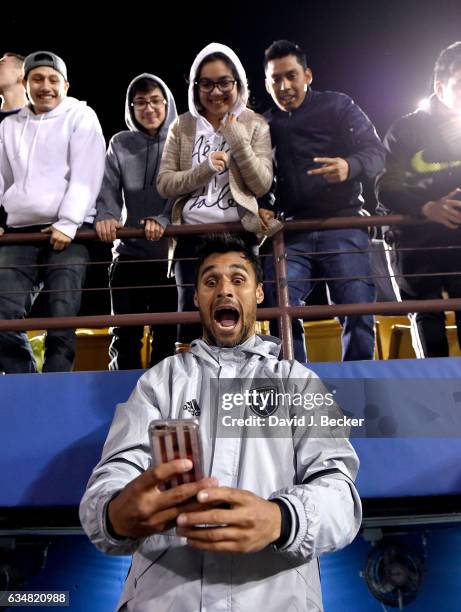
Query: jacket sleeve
pixel 86 161
pixel 173 182
pixel 393 191
pixel 253 157
pixel 6 173
pixel 358 133
pixel 109 204
pixel 126 455
pixel 324 500
pixel 6 177
pixel 164 218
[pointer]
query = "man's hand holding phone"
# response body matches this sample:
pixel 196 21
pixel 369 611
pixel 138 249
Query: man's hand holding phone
pixel 248 523
pixel 142 508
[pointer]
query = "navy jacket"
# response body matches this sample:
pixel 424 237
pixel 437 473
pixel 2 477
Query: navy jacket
pixel 327 124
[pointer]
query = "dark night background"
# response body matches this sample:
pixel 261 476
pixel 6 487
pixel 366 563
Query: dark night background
pixel 380 53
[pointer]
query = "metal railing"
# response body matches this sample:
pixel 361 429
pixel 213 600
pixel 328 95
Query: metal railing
pixel 283 312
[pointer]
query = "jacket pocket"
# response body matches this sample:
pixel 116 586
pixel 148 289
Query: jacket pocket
pixel 139 567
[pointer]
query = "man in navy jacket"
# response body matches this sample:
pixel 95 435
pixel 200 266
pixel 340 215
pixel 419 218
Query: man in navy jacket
pixel 324 145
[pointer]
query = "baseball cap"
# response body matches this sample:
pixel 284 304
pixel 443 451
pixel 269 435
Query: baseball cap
pixel 44 58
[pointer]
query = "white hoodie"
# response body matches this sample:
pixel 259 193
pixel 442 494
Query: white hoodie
pixel 213 203
pixel 51 166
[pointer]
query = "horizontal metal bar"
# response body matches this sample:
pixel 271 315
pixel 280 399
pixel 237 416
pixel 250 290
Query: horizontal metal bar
pixel 236 227
pixel 263 314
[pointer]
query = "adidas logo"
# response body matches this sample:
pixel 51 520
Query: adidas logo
pixel 192 407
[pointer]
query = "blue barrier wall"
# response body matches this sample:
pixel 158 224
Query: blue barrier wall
pixel 52 428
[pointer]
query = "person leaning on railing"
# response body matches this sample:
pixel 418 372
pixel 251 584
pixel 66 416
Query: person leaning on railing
pixel 324 146
pixel 51 168
pixel 422 178
pixel 129 192
pixel 217 160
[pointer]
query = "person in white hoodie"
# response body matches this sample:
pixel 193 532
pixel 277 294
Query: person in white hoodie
pixel 51 168
pixel 216 162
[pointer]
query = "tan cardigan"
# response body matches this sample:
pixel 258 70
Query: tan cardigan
pixel 250 168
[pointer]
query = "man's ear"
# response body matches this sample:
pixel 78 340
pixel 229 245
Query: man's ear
pixel 438 89
pixel 268 89
pixel 195 299
pixel 66 86
pixel 308 76
pixel 259 293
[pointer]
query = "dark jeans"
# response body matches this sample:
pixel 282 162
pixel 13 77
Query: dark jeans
pixel 63 273
pixel 184 272
pixel 125 348
pixel 429 337
pixel 309 255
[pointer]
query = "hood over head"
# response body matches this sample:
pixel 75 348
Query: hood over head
pixel 242 99
pixel 171 112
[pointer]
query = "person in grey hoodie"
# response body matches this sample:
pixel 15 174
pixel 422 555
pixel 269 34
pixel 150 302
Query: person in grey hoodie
pixel 246 537
pixel 129 197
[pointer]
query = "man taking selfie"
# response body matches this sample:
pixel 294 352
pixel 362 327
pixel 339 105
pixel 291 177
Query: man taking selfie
pixel 248 536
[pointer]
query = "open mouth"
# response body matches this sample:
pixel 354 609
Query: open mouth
pixel 227 317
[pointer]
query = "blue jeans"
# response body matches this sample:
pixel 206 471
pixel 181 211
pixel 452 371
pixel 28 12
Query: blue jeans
pixel 20 280
pixel 309 256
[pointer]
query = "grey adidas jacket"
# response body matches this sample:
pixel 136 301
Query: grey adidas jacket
pixel 168 575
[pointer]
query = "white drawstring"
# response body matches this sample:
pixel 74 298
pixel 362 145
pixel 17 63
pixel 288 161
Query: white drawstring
pixel 32 148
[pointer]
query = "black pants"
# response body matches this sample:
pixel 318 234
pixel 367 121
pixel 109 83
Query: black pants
pixel 126 343
pixel 430 326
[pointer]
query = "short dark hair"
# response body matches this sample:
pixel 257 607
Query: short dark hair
pixel 448 62
pixel 213 57
pixel 226 243
pixel 143 85
pixel 282 48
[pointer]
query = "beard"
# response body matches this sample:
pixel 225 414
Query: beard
pixel 213 341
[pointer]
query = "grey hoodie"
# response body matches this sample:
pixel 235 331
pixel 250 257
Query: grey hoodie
pixel 129 191
pixel 313 475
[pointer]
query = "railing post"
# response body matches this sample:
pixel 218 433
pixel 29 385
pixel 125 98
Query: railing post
pixel 283 300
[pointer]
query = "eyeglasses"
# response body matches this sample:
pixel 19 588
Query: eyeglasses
pixel 224 85
pixel 141 104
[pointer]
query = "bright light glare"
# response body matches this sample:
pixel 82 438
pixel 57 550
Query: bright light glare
pixel 423 104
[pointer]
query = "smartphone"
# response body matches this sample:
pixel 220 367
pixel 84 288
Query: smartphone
pixel 177 439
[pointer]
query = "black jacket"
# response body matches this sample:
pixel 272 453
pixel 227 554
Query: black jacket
pixel 423 163
pixel 327 124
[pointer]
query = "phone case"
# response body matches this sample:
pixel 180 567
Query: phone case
pixel 177 439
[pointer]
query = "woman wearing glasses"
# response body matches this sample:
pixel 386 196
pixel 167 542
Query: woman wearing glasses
pixel 129 197
pixel 216 162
